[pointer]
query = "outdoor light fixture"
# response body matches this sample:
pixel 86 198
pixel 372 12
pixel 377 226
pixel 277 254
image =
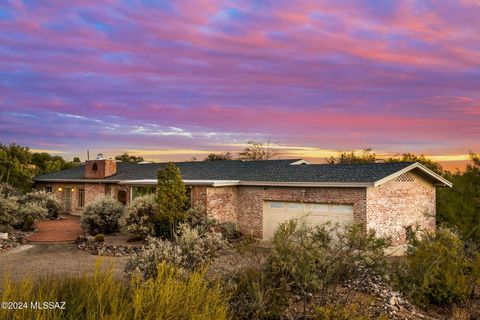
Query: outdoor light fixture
pixel 73 189
pixel 60 189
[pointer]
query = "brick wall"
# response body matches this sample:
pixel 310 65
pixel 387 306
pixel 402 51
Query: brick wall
pixel 104 168
pixel 250 202
pixel 199 197
pixel 399 203
pixel 222 203
pixel 244 204
pixel 92 191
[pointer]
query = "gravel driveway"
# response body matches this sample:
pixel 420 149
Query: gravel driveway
pixel 41 259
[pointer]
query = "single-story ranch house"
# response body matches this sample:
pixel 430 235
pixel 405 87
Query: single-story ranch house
pixel 258 195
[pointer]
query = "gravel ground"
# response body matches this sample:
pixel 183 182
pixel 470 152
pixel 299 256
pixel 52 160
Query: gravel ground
pixel 37 260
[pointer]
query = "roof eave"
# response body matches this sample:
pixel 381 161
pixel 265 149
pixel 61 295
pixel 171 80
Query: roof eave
pixel 440 181
pixel 77 180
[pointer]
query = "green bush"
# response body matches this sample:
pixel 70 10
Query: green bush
pixel 230 231
pixel 438 269
pixel 350 311
pixel 253 297
pixel 99 237
pixel 317 260
pixel 170 295
pixel 308 262
pixel 8 213
pixel 189 251
pixel 28 223
pixel 102 215
pixel 7 190
pixel 32 210
pixel 139 218
pixel 197 218
pixel 44 200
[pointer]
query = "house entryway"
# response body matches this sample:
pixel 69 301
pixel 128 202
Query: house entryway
pixel 57 231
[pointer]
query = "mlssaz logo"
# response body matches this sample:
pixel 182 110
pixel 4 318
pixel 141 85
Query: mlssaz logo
pixel 39 305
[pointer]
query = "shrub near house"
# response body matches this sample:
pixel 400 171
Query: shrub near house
pixel 102 215
pixel 21 211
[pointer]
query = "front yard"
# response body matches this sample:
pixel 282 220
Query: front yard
pixel 64 259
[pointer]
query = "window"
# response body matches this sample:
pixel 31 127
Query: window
pixel 81 197
pixel 339 209
pixel 49 189
pixel 276 205
pixel 320 207
pixel 140 191
pixel 295 206
pixel 94 167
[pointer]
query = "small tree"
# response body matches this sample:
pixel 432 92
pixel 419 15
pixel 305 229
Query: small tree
pixel 125 157
pixel 351 157
pixel 171 196
pixel 257 151
pixel 219 157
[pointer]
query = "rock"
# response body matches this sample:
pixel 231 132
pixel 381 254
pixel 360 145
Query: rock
pixel 4 236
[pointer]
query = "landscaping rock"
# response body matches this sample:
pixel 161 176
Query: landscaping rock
pixel 3 236
pixel 103 249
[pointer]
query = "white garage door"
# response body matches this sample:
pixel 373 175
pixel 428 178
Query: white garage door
pixel 274 213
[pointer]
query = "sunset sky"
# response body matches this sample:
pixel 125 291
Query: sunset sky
pixel 172 80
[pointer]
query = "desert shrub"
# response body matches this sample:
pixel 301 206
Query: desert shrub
pixel 317 260
pixel 438 269
pixel 198 219
pixel 323 263
pixel 252 295
pixel 45 200
pixel 100 237
pixel 7 190
pixel 350 311
pixel 138 220
pixel 102 215
pixel 28 223
pixel 32 209
pixel 189 251
pixel 8 213
pixel 156 251
pixel 100 295
pixel 198 249
pixel 229 231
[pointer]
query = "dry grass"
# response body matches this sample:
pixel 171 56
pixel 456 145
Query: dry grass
pixel 100 295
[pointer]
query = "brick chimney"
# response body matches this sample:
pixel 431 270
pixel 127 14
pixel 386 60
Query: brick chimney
pixel 100 168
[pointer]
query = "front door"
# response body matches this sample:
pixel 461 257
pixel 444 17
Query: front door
pixel 67 204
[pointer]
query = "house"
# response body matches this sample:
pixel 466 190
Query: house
pixel 258 195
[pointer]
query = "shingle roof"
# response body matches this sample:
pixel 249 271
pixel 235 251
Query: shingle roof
pixel 270 171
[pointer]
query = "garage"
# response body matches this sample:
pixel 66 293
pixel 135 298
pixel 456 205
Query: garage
pixel 277 212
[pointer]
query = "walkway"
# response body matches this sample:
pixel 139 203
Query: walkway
pixel 54 231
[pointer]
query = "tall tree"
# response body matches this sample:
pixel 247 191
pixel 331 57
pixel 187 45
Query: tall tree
pixel 257 151
pixel 48 163
pixel 352 157
pixel 459 207
pixel 125 157
pixel 219 157
pixel 16 168
pixel 171 196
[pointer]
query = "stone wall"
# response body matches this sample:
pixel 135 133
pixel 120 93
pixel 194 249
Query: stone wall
pixel 406 201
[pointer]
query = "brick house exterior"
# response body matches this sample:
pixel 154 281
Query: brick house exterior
pixel 383 197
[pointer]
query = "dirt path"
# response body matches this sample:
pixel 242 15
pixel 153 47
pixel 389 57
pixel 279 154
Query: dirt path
pixel 37 260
